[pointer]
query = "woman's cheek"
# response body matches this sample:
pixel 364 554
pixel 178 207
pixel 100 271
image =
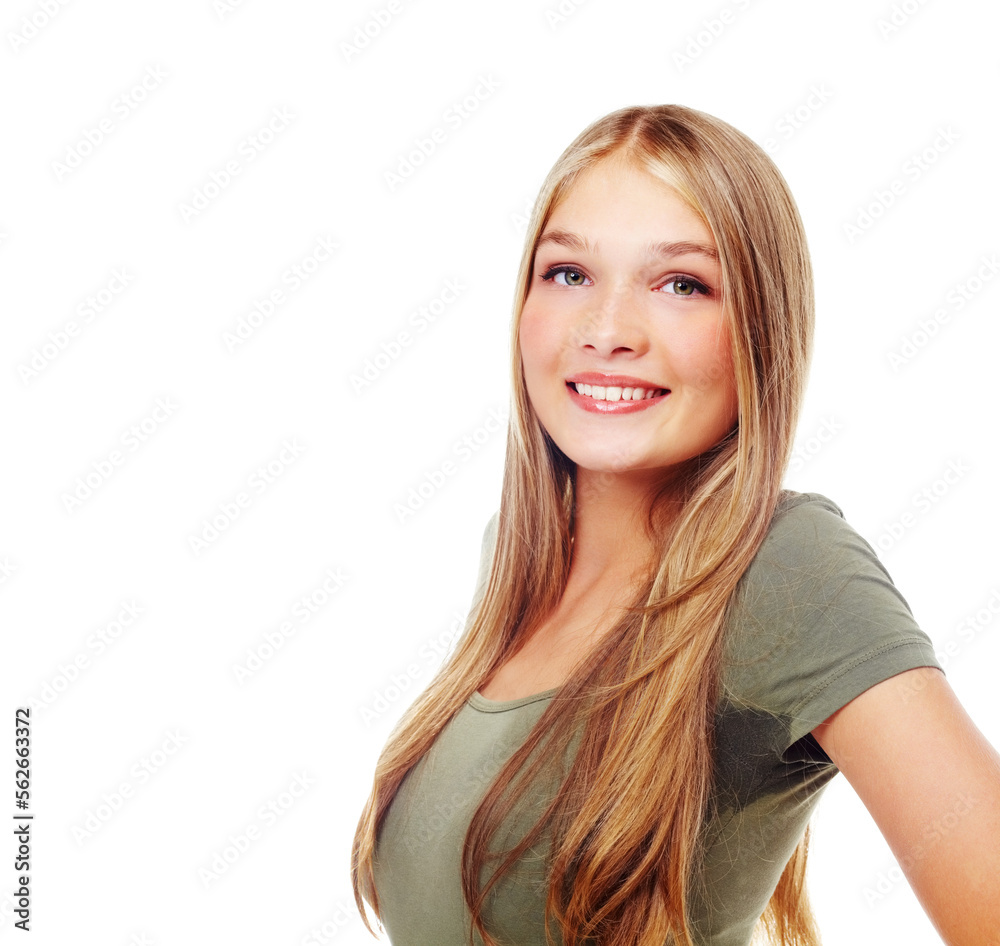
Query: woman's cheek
pixel 536 336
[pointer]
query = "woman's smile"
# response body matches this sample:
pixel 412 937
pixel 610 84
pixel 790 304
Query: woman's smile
pixel 613 394
pixel 624 336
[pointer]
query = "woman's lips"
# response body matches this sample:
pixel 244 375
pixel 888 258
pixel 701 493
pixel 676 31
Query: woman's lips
pixel 618 403
pixel 603 379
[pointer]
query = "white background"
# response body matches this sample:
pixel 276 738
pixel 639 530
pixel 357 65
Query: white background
pixel 849 106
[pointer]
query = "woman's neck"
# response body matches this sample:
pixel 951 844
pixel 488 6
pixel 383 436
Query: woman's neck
pixel 610 536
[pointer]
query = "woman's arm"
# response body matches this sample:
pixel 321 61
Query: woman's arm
pixel 931 781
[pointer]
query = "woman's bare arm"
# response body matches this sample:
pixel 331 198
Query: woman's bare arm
pixel 931 781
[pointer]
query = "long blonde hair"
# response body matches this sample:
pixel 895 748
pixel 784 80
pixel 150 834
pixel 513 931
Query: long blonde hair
pixel 639 710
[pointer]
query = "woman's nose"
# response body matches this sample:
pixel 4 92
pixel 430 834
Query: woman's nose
pixel 611 321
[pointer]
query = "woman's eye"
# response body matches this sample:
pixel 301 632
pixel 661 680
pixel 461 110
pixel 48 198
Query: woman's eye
pixel 685 286
pixel 677 286
pixel 572 277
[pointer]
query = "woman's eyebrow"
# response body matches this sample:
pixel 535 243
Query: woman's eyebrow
pixel 565 238
pixel 682 248
pixel 663 248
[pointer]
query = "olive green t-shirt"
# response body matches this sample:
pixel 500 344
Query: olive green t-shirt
pixel 816 621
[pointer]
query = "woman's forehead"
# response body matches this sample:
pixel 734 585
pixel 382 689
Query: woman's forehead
pixel 621 200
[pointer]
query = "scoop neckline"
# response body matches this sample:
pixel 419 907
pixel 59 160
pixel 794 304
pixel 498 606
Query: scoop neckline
pixel 486 705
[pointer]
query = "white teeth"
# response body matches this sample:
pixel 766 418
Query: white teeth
pixel 612 393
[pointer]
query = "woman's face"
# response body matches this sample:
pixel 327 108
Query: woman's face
pixel 625 295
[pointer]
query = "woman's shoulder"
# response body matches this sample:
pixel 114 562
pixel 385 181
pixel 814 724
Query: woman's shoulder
pixel 810 555
pixel 810 533
pixel 816 618
pixel 807 502
pixel 486 553
pixel 806 515
pixel 490 532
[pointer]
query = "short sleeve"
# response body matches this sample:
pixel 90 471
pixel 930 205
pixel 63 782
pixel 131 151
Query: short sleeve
pixel 816 621
pixel 487 551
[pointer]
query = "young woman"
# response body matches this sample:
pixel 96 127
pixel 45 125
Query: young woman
pixel 668 656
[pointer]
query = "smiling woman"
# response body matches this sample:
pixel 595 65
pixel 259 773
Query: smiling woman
pixel 623 298
pixel 668 656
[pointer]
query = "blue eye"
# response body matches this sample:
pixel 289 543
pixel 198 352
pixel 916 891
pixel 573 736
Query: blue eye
pixel 568 271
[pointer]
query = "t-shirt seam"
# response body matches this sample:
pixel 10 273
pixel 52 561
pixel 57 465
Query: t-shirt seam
pixel 857 662
pixel 483 704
